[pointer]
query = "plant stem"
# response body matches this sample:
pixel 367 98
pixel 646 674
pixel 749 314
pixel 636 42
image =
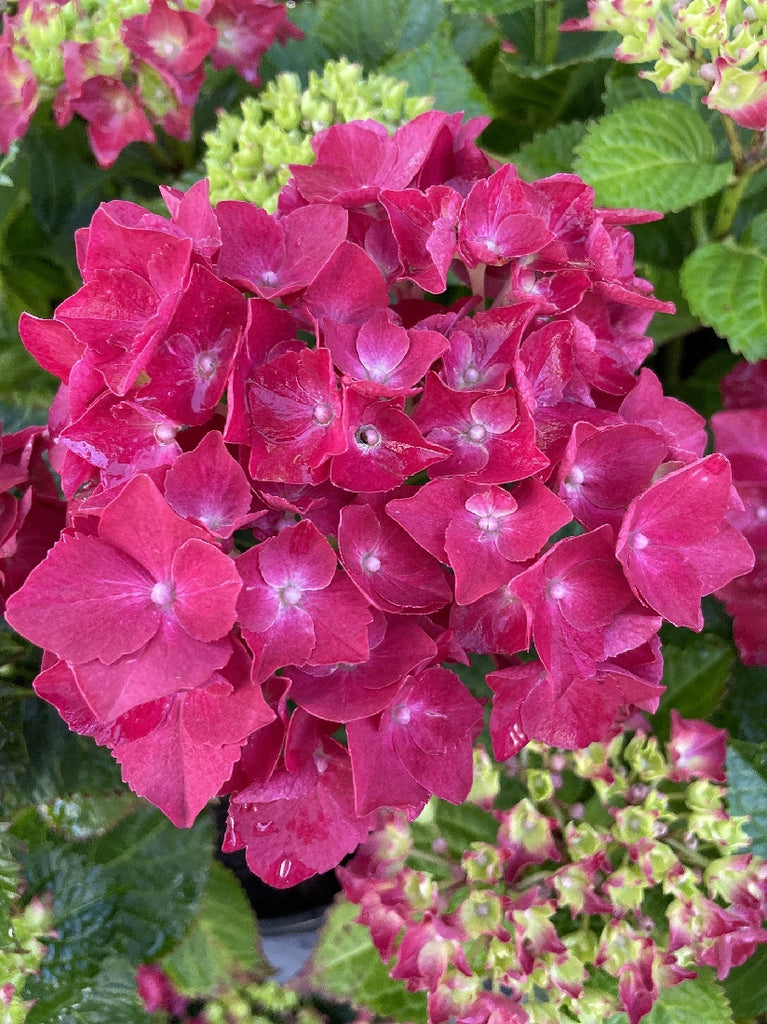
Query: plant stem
pixel 548 17
pixel 16 692
pixel 729 203
pixel 698 223
pixel 745 166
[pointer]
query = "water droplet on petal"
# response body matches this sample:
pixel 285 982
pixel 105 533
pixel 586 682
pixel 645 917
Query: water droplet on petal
pixel 284 869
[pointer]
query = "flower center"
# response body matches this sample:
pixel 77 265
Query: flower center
pixel 402 715
pixel 290 595
pixel 476 433
pixel 164 433
pixel 162 594
pixel 371 563
pixel 322 413
pixel 639 541
pixel 488 524
pixel 368 436
pixel 557 590
pixel 471 374
pixel 207 364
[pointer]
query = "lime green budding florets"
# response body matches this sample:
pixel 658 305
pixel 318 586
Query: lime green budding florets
pixel 683 39
pixel 42 28
pixel 21 955
pixel 247 155
pixel 604 876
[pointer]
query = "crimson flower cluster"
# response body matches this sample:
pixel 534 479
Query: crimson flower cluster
pixel 740 431
pixel 159 81
pixel 32 514
pixel 305 472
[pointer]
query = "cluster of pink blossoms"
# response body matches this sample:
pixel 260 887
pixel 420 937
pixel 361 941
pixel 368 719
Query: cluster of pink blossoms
pixel 298 486
pixel 565 914
pixel 740 431
pixel 32 514
pixel 150 75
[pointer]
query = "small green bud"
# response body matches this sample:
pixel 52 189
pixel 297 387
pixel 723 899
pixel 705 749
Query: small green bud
pixel 633 824
pixel 627 887
pixel 703 795
pixel 481 913
pixel 644 756
pixel 247 155
pixel 719 829
pixel 584 841
pixel 483 863
pixel 619 945
pixel 487 779
pixel 539 784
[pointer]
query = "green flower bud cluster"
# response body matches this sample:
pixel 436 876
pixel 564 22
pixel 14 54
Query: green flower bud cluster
pixel 265 1002
pixel 42 28
pixel 684 39
pixel 248 153
pixel 21 954
pixel 613 874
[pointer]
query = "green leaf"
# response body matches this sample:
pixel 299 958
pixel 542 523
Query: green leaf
pixel 10 886
pixel 653 154
pixel 699 1000
pixel 57 762
pixel 696 667
pixel 702 390
pixel 346 964
pixel 110 996
pixel 527 106
pixel 221 942
pixel 550 151
pixel 744 711
pixel 746 987
pixel 756 233
pixel 747 789
pixel 541 47
pixel 80 816
pixel 726 286
pixel 131 894
pixel 160 873
pixel 372 31
pixel 434 69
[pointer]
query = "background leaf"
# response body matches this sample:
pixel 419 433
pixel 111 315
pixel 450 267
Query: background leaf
pixel 696 668
pixel 726 286
pixel 347 964
pixel 747 789
pixel 744 711
pixel 700 1000
pixel 652 154
pixel 111 996
pixel 434 69
pixel 549 152
pixel 746 988
pixel 221 942
pixel 129 894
